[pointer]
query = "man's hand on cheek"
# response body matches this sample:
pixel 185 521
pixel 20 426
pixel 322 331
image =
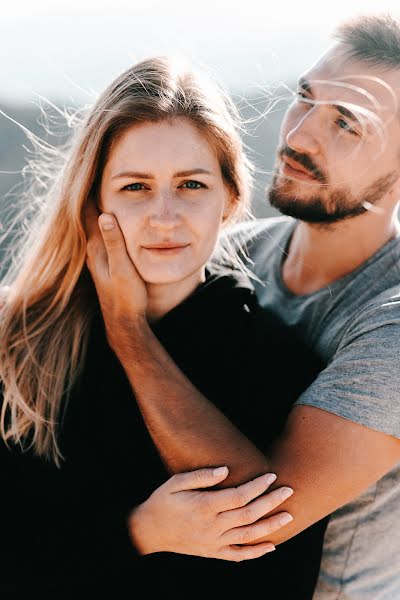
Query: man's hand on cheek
pixel 121 291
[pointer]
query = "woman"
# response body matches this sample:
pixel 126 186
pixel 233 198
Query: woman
pixel 160 154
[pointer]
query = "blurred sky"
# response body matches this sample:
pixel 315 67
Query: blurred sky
pixel 70 50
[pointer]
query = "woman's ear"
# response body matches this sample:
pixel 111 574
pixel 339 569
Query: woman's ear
pixel 229 204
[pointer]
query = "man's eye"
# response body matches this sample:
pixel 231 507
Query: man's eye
pixel 302 96
pixel 342 124
pixel 192 185
pixel 134 187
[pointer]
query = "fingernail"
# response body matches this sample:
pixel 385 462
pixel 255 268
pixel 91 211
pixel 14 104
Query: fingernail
pixel 220 471
pixel 271 549
pixel 270 478
pixel 284 519
pixel 285 493
pixel 107 223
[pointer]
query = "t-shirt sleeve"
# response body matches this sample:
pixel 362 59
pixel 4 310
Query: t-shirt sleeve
pixel 362 381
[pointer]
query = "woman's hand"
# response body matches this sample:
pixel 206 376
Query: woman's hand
pixel 121 291
pixel 180 516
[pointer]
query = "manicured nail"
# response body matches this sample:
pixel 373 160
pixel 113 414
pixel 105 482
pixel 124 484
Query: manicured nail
pixel 271 549
pixel 107 223
pixel 220 471
pixel 270 478
pixel 285 492
pixel 284 519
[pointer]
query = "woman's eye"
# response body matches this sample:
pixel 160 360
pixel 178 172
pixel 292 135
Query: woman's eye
pixel 192 185
pixel 342 124
pixel 134 187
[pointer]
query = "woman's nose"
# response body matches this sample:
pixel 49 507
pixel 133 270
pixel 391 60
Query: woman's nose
pixel 165 212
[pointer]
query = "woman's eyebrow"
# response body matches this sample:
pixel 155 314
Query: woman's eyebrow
pixel 137 174
pixel 141 175
pixel 193 172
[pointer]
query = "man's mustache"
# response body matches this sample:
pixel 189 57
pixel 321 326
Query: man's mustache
pixel 305 161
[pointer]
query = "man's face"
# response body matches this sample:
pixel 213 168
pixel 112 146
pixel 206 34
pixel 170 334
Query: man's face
pixel 339 150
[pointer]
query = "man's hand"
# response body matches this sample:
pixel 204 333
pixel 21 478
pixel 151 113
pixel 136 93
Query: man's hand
pixel 121 291
pixel 181 517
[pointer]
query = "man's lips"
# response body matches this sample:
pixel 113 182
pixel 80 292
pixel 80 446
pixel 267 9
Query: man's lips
pixel 294 169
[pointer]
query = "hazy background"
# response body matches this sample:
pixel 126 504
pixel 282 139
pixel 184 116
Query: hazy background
pixel 66 52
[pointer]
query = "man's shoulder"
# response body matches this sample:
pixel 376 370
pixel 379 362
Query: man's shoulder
pixel 381 311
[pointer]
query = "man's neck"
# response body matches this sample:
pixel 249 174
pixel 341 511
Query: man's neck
pixel 318 256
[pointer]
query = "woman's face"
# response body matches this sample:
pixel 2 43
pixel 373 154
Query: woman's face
pixel 163 183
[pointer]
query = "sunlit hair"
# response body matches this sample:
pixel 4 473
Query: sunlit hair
pixel 372 38
pixel 45 322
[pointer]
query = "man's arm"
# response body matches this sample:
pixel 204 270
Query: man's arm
pixel 327 459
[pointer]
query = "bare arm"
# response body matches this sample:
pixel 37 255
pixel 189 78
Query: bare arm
pixel 326 459
pixel 184 425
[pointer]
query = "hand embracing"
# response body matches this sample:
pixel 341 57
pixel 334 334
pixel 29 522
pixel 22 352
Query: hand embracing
pixel 182 516
pixel 121 291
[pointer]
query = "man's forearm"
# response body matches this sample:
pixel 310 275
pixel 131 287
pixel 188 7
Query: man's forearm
pixel 188 430
pixel 326 459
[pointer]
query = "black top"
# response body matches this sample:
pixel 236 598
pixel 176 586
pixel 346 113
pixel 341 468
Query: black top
pixel 63 530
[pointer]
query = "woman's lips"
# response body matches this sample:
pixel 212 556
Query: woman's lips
pixel 166 248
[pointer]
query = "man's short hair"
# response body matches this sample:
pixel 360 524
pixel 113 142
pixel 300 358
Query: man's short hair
pixel 372 38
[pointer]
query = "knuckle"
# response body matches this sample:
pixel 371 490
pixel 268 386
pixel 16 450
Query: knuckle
pixel 239 499
pixel 246 515
pixel 112 242
pixel 267 526
pixel 200 476
pixel 246 537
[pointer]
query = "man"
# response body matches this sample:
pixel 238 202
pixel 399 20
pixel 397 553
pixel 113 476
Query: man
pixel 333 275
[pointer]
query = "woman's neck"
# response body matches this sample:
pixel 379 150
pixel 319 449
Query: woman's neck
pixel 163 297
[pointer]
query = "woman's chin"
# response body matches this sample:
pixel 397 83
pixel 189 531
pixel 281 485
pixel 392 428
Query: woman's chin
pixel 162 277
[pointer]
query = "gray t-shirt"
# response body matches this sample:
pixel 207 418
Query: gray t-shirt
pixel 354 325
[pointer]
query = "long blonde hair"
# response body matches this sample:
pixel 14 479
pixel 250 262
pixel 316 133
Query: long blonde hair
pixel 45 322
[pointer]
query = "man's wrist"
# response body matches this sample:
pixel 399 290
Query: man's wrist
pixel 129 337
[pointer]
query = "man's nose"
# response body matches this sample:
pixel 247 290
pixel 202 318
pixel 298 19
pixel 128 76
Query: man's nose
pixel 304 135
pixel 165 212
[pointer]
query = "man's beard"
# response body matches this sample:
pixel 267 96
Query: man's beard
pixel 330 206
